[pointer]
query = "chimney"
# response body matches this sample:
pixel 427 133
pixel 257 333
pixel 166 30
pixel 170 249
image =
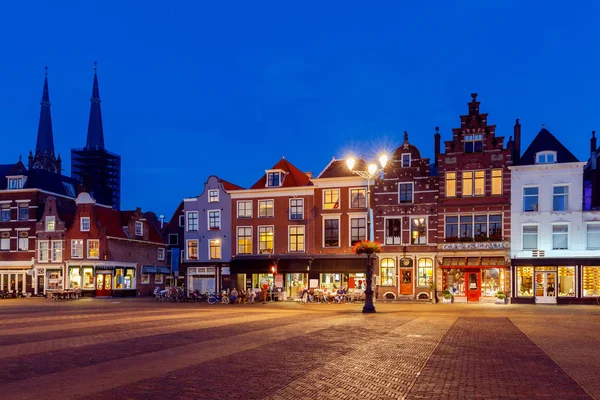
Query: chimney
pixel 162 221
pixel 517 136
pixel 436 148
pixel 593 145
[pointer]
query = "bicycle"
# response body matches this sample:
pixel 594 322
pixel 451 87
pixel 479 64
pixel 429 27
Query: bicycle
pixel 218 298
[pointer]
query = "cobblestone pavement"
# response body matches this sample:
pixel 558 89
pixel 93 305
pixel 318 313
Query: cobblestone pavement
pixel 139 349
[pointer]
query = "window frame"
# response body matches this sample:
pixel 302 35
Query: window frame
pixel 246 209
pixel 5 243
pixel 296 236
pixel 213 195
pixel 81 224
pixel 45 252
pixel 357 228
pixel 329 218
pixel 89 242
pixel 536 208
pixel 56 251
pixel 22 206
pixel 265 229
pixel 74 246
pixel 5 212
pixel 351 197
pixel 296 207
pixel 473 139
pixel 387 280
pixel 23 239
pixel 412 192
pixel 47 220
pixel 270 178
pixel 545 154
pixel 447 179
pixel 587 235
pixel 195 221
pixel 457 224
pixel 171 243
pixel 424 267
pixel 334 205
pixel 160 253
pixel 217 247
pixel 139 228
pixel 187 250
pixel 408 164
pixel 479 181
pixel 213 222
pixel 182 221
pixel 237 239
pixel 272 208
pixel 497 180
pixel 537 236
pixel 426 226
pixel 564 195
pixel 567 234
pixel 386 231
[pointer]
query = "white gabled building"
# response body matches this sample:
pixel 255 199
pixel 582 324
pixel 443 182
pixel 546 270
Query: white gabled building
pixel 552 239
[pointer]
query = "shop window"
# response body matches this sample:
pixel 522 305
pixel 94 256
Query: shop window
pixel 296 209
pixel 129 279
pixel 560 237
pixel 23 212
pixel 331 199
pixel 530 237
pixel 332 233
pixel 451 228
pixel 393 231
pixel 593 236
pixel 454 281
pixel 492 280
pixel 244 209
pixel 93 248
pixel 88 278
pixel 158 278
pixel 145 279
pixel 265 239
pixel 118 281
pixel 244 240
pixel 74 278
pixel 496 181
pixel 530 199
pixel 192 250
pixel 418 230
pixel 450 184
pixel 296 238
pixel 566 281
pixel 265 208
pixel 405 192
pixel 77 248
pixel 214 219
pixel 525 281
pixel 213 196
pixel 425 272
pixel 388 272
pixel 358 230
pixel 560 198
pixel 214 249
pixel 358 198
pixel 591 281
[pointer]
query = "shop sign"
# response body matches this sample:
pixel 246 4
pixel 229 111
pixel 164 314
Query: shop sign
pixel 545 268
pixel 313 284
pixel 474 246
pixel 278 280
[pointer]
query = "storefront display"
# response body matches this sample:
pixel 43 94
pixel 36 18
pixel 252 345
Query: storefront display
pixel 455 281
pixel 349 281
pixel 74 278
pixel 591 281
pixel 492 280
pixel 88 278
pixel 295 284
pixel 566 281
pixel 54 279
pixel 525 281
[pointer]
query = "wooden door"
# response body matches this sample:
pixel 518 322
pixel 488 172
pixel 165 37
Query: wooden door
pixel 406 281
pixel 473 285
pixel 103 284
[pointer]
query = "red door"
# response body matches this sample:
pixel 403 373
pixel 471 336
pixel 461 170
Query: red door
pixel 103 284
pixel 473 285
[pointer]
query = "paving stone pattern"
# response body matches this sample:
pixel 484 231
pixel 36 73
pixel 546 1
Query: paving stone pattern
pixel 136 349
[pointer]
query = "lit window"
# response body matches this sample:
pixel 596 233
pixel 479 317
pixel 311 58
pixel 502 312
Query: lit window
pixel 425 271
pixel 530 237
pixel 593 236
pixel 405 192
pixel 50 224
pixel 139 228
pixel 358 198
pixel 480 183
pixel 192 221
pixel 296 208
pixel 214 219
pixel 296 238
pixel 265 239
pixel 244 209
pixel 467 183
pixel 84 224
pixel 418 230
pixel 213 196
pixel 450 184
pixel 496 181
pixel 93 248
pixel 244 240
pixel 331 199
pixel 214 249
pixel 265 208
pixel 388 272
pixel 530 199
pixel 560 198
pixel 192 249
pixel 560 237
pixel 358 230
pixel 77 248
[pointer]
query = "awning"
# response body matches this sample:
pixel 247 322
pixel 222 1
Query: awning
pixel 105 266
pixel 256 265
pixel 341 265
pixel 148 269
pixel 473 262
pixel 162 270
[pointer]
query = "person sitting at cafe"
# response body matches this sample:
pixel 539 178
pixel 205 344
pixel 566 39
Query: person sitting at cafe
pixel 341 295
pixel 233 295
pixel 311 295
pixel 242 296
pixel 250 296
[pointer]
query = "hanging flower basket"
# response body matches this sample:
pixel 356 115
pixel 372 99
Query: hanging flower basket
pixel 366 247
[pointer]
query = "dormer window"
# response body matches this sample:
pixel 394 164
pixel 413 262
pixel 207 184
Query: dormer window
pixel 213 196
pixel 473 143
pixel 16 182
pixel 274 178
pixel 139 228
pixel 545 157
pixel 50 224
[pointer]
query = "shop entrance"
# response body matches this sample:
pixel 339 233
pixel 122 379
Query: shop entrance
pixel 473 285
pixel 406 281
pixel 103 284
pixel 545 287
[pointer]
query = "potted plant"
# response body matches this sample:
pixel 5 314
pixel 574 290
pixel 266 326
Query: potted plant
pixel 500 297
pixel 447 297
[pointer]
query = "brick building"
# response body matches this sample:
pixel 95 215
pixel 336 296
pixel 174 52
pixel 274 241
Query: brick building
pixel 474 208
pixel 173 232
pixel 405 211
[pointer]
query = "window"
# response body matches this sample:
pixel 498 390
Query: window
pixel 358 230
pixel 158 278
pixel 5 244
pixel 192 221
pixel 42 250
pixel 495 227
pixel 450 184
pixel 388 272
pixel 530 237
pixel 296 208
pixel 139 228
pixel 244 209
pixel 69 189
pixel 525 281
pixel 23 212
pixel 214 246
pixel 244 240
pixel 173 239
pixel 181 221
pixel 466 227
pixel 296 238
pixel 50 224
pixel 145 279
pixel 425 271
pixel 332 233
pixel 16 182
pixel 405 160
pixel 480 183
pixel 5 213
pixel 84 224
pixel 213 196
pixel 77 248
pixel 480 227
pixel 418 230
pixel 358 198
pixel 273 179
pixel 560 237
pixel 545 157
pixel 265 208
pixel 560 198
pixel 451 228
pixel 93 248
pixel 393 231
pixel 214 219
pixel 56 251
pixel 161 254
pixel 496 181
pixel 467 183
pixel 473 143
pixel 593 236
pixel 265 239
pixel 192 249
pixel 530 199
pixel 23 241
pixel 406 192
pixel 331 199
pixel 566 281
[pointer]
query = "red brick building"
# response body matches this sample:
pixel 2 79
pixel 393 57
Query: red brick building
pixel 273 223
pixel 406 224
pixel 474 208
pixel 173 232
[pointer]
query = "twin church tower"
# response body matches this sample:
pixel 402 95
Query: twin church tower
pixel 97 169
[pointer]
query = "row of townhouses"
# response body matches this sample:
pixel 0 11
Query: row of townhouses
pixel 483 216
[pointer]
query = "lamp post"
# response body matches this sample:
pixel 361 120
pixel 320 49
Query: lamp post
pixel 373 170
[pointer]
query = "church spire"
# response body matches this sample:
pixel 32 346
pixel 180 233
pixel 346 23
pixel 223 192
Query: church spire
pixel 95 134
pixel 45 139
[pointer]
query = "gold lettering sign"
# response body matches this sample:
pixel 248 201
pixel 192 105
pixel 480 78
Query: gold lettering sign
pixel 545 268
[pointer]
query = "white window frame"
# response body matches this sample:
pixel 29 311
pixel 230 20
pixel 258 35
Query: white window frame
pixel 568 225
pixel 274 172
pixel 21 240
pixel 161 254
pixel 220 243
pixel 272 208
pixel 385 231
pixel 22 206
pixel 187 250
pixel 412 192
pixel 290 213
pixel 173 243
pixel 328 217
pixel 587 235
pixel 140 231
pixel 545 154
pixel 568 193
pixel 537 246
pixel 350 218
pixel 210 228
pixel 82 221
pixel 46 223
pixel 182 221
pixel 245 209
pixel 88 248
pixel 213 195
pixel 3 209
pixel 402 160
pixel 73 242
pixel 237 239
pixel 258 239
pixel 56 253
pixel 157 280
pixel 350 197
pixel 290 239
pixel 426 223
pixel 15 182
pixel 45 257
pixel 187 221
pixel 523 196
pixel 338 200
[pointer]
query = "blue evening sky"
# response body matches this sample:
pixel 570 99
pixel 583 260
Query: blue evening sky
pixel 195 88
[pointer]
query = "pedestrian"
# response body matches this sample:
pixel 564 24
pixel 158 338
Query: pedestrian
pixel 264 285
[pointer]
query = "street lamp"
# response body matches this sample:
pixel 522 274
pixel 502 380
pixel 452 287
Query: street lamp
pixel 373 170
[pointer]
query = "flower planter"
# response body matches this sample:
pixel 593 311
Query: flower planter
pixel 501 301
pixel 444 300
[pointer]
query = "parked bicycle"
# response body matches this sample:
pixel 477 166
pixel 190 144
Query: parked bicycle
pixel 215 298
